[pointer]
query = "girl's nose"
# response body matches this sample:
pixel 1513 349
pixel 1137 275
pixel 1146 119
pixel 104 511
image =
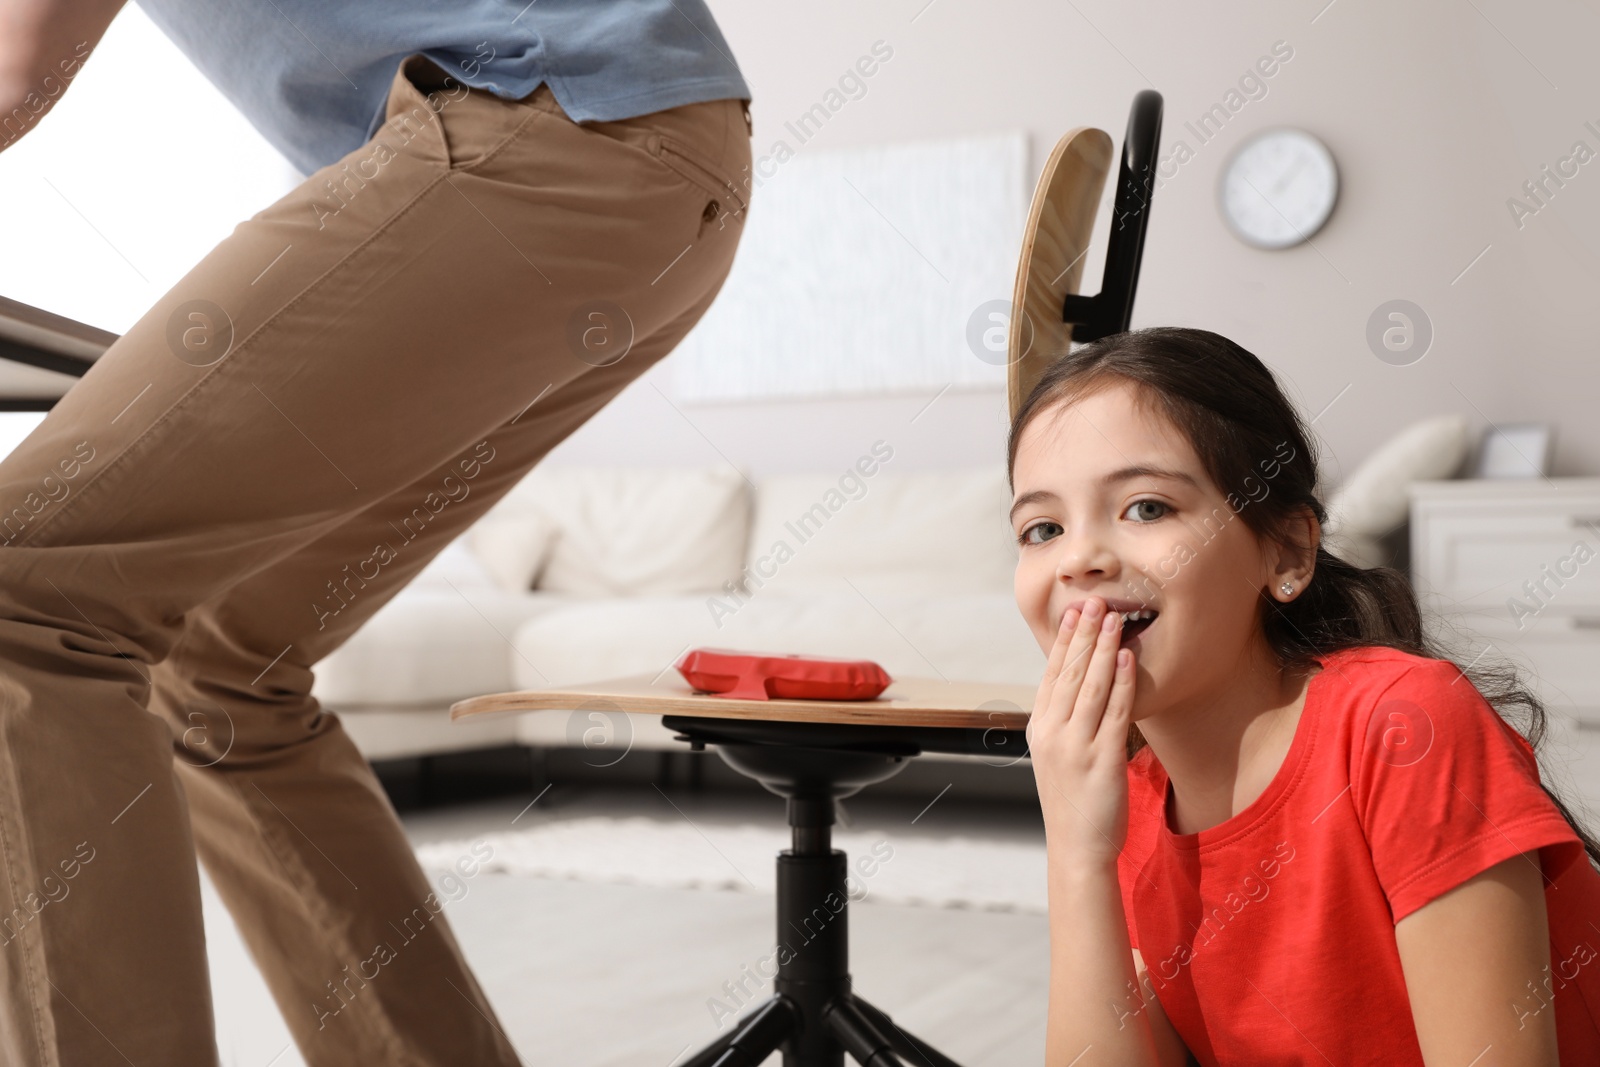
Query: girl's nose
pixel 1084 556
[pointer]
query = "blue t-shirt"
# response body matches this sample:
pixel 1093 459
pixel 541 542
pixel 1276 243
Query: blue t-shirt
pixel 313 75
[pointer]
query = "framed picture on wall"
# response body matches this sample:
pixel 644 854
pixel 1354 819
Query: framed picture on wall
pixel 1516 450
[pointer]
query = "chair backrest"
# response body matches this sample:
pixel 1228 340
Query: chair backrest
pixel 1054 246
pixel 1048 313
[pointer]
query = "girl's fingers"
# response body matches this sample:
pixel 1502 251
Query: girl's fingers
pixel 1069 675
pixel 1091 703
pixel 1068 672
pixel 1058 655
pixel 1119 706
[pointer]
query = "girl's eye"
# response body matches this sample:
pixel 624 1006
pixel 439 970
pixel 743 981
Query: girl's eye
pixel 1146 515
pixel 1024 538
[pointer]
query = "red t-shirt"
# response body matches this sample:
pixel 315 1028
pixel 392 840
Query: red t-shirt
pixel 1270 937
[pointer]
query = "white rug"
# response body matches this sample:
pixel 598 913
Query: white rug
pixel 949 872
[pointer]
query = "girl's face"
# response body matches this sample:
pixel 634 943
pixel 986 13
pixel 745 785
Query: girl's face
pixel 1112 501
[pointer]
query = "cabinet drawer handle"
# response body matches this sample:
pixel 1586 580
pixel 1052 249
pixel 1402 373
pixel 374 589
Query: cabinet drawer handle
pixel 1588 726
pixel 1588 522
pixel 1586 622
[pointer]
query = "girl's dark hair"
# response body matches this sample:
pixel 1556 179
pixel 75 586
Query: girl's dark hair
pixel 1247 434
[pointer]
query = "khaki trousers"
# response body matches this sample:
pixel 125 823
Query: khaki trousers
pixel 330 397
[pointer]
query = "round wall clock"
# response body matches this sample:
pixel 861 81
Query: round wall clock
pixel 1278 188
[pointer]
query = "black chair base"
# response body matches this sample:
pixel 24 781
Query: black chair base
pixel 814 1017
pixel 852 1024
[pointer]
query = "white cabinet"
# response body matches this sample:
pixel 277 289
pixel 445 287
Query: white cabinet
pixel 1511 570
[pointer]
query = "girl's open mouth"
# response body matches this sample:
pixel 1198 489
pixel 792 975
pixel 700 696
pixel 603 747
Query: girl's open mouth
pixel 1135 623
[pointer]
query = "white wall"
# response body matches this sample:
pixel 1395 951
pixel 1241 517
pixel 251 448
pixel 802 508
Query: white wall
pixel 1436 111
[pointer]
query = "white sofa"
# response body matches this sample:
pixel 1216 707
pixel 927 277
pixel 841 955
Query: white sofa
pixel 630 567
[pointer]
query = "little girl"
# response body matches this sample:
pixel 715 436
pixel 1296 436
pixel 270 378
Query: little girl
pixel 1283 828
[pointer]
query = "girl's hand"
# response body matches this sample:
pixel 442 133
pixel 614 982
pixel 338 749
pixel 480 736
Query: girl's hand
pixel 1077 736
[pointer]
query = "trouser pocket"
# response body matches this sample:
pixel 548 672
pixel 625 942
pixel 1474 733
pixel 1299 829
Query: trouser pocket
pixel 704 145
pixel 689 164
pixel 469 125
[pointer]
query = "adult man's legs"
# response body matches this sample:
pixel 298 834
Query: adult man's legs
pixel 338 348
pixel 291 823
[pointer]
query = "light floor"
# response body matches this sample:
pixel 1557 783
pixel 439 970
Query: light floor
pixel 596 975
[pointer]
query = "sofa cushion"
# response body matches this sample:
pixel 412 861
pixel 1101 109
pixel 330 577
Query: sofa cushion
pixel 636 531
pixel 455 567
pixel 890 533
pixel 970 636
pixel 514 549
pixel 429 646
pixel 1375 499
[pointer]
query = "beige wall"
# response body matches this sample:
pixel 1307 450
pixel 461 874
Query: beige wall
pixel 1436 111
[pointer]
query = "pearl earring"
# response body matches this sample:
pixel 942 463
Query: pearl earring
pixel 1288 590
